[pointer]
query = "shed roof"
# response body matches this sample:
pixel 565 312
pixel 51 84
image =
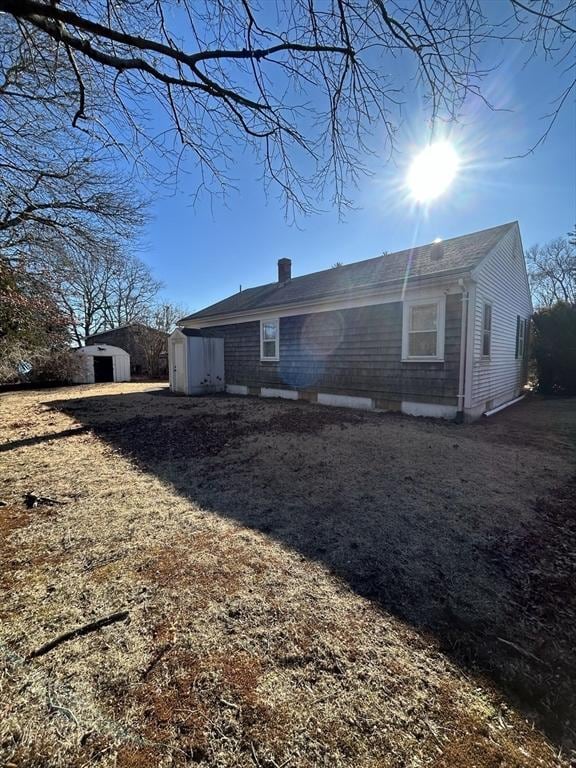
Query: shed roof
pixel 460 254
pixel 93 338
pixel 97 350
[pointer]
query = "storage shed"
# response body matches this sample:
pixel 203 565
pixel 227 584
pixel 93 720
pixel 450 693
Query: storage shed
pixel 102 362
pixel 196 363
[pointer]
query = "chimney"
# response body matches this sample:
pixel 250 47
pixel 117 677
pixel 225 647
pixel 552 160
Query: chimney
pixel 437 250
pixel 284 270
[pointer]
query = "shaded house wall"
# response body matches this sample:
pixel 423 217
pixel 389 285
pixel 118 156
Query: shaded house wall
pixel 346 352
pixel 129 339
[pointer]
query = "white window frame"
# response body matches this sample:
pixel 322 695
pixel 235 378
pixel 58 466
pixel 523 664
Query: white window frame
pixel 440 302
pixel 276 357
pixel 484 305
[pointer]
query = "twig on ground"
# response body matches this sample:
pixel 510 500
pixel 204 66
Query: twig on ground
pixel 156 658
pixel 230 704
pixel 53 707
pixel 92 566
pixel 522 651
pixel 33 500
pixel 254 755
pixel 432 731
pixel 78 632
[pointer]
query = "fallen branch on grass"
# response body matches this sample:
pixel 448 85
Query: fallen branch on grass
pixel 53 707
pixel 78 632
pixel 522 651
pixel 92 566
pixel 156 658
pixel 32 500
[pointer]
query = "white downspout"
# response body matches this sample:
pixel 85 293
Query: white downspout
pixel 463 351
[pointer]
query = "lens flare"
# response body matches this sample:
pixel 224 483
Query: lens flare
pixel 432 171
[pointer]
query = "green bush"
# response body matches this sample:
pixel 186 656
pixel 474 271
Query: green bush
pixel 554 349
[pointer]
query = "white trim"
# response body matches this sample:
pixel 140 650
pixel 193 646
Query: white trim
pixel 504 405
pixel 484 259
pixel 525 270
pixel 440 302
pixel 472 299
pixel 448 284
pixel 430 410
pixel 236 389
pixel 464 301
pixel 345 401
pixel 477 267
pixel 287 394
pixel 276 357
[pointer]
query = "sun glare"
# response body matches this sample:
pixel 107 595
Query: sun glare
pixel 432 171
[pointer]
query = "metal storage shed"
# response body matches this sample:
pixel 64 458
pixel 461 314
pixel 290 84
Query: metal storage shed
pixel 102 362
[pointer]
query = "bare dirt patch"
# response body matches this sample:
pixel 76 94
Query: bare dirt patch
pixel 306 586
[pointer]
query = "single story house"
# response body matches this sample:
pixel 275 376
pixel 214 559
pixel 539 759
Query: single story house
pixel 436 330
pixel 147 347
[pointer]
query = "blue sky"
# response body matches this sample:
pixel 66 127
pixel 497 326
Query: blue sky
pixel 204 252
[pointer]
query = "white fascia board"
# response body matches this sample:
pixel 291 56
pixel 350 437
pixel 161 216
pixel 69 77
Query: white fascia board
pixel 484 259
pixel 448 284
pixel 525 270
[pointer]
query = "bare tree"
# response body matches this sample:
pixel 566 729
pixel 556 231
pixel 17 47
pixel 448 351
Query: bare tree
pixel 552 272
pixel 298 82
pixel 164 316
pixel 131 291
pixel 56 191
pixel 101 289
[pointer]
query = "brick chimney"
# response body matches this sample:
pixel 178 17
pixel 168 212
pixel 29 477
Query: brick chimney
pixel 284 270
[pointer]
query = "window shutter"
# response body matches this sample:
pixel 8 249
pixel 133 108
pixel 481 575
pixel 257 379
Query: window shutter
pixel 518 320
pixel 526 333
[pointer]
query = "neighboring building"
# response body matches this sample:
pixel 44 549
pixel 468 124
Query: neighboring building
pixel 147 347
pixel 99 363
pixel 436 330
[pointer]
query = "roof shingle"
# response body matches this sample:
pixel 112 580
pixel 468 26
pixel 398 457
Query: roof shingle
pixel 459 254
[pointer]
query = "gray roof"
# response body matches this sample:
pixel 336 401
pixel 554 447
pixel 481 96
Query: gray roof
pixel 122 328
pixel 460 254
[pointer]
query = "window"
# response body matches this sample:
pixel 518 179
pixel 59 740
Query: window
pixel 521 326
pixel 269 339
pixel 423 330
pixel 486 330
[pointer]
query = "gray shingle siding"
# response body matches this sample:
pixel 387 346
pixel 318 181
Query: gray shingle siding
pixel 352 351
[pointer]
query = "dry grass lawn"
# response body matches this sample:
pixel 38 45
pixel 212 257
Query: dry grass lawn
pixel 306 586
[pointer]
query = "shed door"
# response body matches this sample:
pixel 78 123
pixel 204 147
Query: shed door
pixel 103 368
pixel 179 367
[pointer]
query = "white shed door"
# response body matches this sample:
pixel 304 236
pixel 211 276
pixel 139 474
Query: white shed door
pixel 179 367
